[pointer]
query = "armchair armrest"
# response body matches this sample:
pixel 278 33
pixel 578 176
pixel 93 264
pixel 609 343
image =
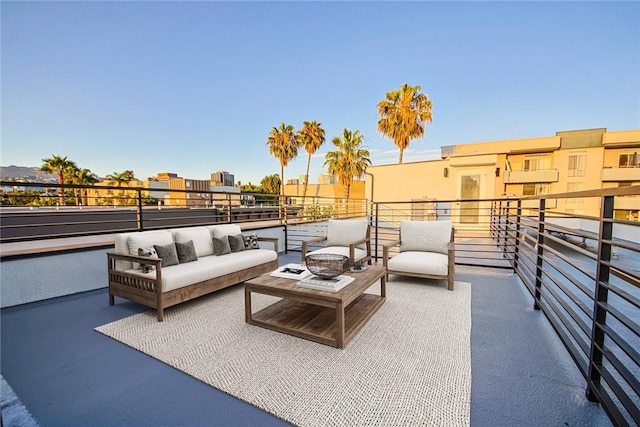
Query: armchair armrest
pixel 352 248
pixel 385 251
pixel 274 240
pixel 306 243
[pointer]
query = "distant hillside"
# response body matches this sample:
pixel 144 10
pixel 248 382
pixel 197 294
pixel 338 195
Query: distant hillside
pixel 13 171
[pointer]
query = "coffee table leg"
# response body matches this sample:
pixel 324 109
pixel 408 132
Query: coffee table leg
pixel 383 286
pixel 247 305
pixel 340 325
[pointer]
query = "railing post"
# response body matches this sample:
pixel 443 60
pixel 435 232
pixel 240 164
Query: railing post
pixel 499 225
pixel 285 224
pixel 139 219
pixel 601 297
pixel 516 248
pixel 492 221
pixel 377 229
pixel 540 254
pixel 506 228
pixel 229 217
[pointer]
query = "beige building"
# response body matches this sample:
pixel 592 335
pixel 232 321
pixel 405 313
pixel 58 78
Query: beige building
pixel 567 162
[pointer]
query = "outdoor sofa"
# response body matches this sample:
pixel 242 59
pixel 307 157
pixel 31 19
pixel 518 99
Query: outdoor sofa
pixel 209 258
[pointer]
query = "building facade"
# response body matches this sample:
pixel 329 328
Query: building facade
pixel 566 162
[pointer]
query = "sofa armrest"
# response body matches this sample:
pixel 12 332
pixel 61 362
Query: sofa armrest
pixel 385 251
pixel 306 243
pixel 274 240
pixel 157 262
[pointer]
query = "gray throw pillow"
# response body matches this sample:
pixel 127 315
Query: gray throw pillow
pixel 221 246
pixel 168 254
pixel 148 252
pixel 251 241
pixel 236 243
pixel 186 252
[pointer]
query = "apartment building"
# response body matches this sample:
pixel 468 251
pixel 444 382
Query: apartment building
pixel 569 161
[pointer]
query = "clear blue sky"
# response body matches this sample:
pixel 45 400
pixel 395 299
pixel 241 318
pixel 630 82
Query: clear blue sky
pixel 195 87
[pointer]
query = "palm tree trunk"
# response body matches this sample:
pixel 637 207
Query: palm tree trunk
pixel 400 158
pixel 306 180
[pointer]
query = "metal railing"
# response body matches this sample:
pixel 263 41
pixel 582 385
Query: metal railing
pixel 582 271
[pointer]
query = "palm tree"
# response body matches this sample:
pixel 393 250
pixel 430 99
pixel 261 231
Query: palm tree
pixel 283 145
pixel 58 165
pixel 311 137
pixel 349 160
pixel 403 116
pixel 121 178
pixel 84 177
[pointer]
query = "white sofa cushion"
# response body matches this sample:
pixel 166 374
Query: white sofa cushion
pixel 343 232
pixel 146 239
pixel 430 263
pixel 340 250
pixel 224 230
pixel 201 237
pixel 210 267
pixel 425 236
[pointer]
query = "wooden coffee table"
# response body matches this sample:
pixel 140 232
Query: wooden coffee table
pixel 331 318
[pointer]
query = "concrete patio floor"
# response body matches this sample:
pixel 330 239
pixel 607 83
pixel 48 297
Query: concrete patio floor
pixel 66 374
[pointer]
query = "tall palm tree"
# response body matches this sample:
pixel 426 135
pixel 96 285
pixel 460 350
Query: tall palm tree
pixel 349 160
pixel 404 113
pixel 311 137
pixel 58 165
pixel 283 144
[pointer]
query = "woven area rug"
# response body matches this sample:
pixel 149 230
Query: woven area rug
pixel 410 364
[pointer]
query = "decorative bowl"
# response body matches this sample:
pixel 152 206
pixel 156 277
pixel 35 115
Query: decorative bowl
pixel 327 266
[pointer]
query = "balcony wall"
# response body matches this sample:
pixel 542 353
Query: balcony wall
pixel 621 174
pixel 531 177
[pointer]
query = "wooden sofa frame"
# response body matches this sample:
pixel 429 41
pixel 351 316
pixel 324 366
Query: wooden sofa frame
pixel 451 255
pixel 148 290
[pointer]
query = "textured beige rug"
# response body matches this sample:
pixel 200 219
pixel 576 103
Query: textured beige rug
pixel 410 365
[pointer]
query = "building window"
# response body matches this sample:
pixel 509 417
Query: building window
pixel 629 215
pixel 575 186
pixel 535 189
pixel 536 163
pixel 578 164
pixel 629 160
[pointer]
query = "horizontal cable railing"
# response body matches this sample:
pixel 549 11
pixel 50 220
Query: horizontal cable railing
pixel 583 272
pixel 581 269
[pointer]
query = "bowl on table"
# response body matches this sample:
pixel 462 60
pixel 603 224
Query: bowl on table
pixel 327 266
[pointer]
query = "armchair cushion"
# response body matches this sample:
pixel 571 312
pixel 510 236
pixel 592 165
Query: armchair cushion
pixel 425 236
pixel 343 232
pixel 427 263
